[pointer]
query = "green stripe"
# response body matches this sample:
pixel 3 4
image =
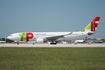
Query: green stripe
pixel 88 27
pixel 22 36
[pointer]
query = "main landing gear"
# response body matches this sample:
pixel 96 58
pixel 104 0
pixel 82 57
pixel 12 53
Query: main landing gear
pixel 53 43
pixel 17 43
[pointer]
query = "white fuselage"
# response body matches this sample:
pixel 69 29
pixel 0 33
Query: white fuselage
pixel 65 36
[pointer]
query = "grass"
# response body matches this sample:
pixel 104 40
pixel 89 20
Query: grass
pixel 52 58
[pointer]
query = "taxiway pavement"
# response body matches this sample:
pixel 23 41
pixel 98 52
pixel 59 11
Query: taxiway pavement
pixel 48 45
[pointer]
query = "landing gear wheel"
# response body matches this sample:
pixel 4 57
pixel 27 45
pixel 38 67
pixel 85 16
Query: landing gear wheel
pixel 17 43
pixel 53 43
pixel 75 43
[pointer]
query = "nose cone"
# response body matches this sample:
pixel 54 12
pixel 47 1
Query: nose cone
pixel 9 37
pixel 14 37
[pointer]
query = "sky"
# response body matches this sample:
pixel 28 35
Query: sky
pixel 50 16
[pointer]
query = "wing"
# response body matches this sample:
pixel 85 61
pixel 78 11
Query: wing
pixel 54 38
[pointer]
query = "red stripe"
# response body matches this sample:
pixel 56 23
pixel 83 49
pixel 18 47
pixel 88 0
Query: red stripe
pixel 29 35
pixel 93 24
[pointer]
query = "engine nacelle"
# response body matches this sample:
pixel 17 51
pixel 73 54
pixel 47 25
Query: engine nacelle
pixel 39 40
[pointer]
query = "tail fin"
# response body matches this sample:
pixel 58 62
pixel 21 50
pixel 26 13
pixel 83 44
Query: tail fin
pixel 92 26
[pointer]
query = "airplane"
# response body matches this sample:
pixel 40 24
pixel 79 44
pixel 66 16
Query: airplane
pixel 2 41
pixel 54 37
pixel 81 41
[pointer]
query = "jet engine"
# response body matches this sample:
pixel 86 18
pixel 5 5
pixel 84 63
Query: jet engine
pixel 39 40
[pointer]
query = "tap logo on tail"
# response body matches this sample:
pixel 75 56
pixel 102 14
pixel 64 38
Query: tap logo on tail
pixel 26 36
pixel 92 26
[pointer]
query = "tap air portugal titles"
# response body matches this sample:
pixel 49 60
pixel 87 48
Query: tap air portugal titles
pixel 54 37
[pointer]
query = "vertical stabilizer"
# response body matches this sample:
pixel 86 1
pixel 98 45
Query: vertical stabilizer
pixel 92 26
